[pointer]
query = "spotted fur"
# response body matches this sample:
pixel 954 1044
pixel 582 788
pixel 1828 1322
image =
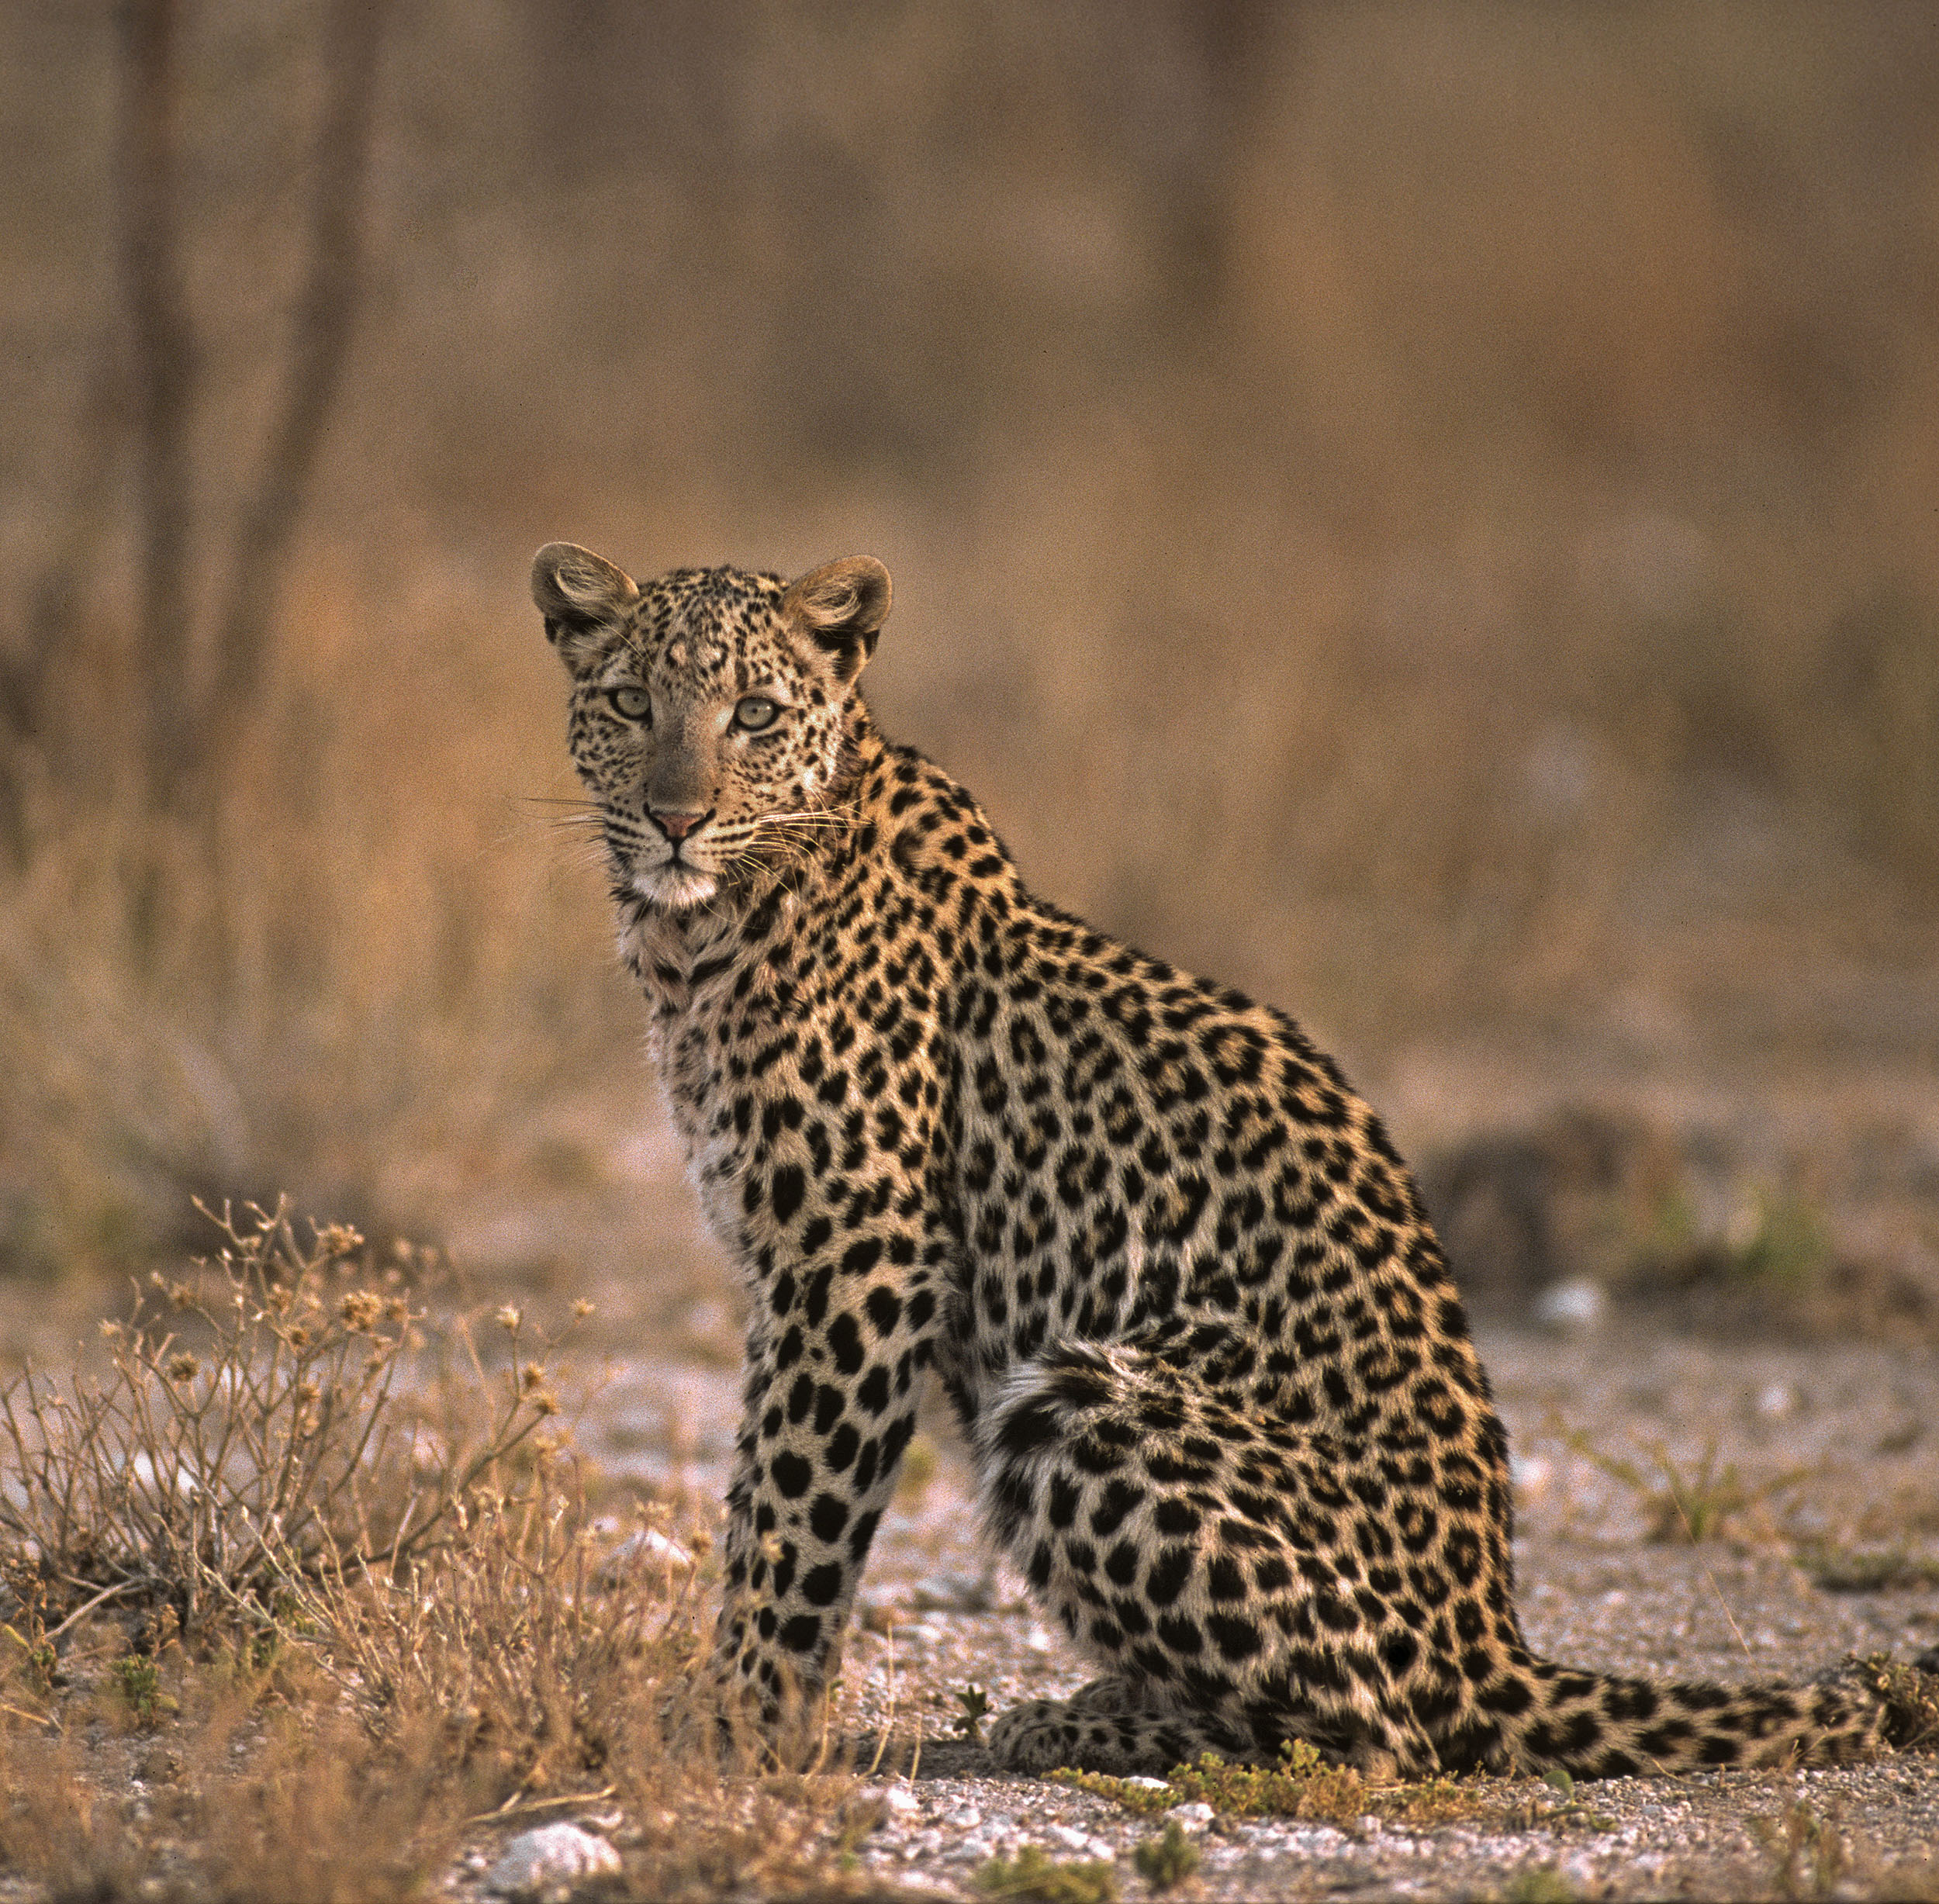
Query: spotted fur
pixel 1225 1413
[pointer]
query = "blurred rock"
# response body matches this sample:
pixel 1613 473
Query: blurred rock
pixel 545 1866
pixel 1576 1304
pixel 1519 1210
pixel 955 1593
pixel 1708 1233
pixel 649 1554
pixel 1531 1474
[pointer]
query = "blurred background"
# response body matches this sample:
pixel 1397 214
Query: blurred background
pixel 1427 513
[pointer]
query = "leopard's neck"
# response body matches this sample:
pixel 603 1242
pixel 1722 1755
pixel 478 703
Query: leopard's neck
pixel 678 954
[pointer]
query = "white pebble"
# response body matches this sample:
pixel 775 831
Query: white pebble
pixel 1578 1303
pixel 1531 1473
pixel 549 1862
pixel 901 1800
pixel 647 1552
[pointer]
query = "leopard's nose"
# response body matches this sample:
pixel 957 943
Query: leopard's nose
pixel 676 824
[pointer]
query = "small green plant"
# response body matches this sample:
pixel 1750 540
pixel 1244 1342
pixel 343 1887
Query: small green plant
pixel 1539 1884
pixel 1166 1861
pixel 1145 1801
pixel 1684 1505
pixel 1779 1237
pixel 975 1703
pixel 1303 1784
pixel 1035 1877
pixel 1810 1850
pixel 138 1679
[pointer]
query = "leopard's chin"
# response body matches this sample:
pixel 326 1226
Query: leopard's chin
pixel 675 888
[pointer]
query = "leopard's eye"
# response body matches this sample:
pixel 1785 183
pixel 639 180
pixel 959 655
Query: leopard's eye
pixel 630 703
pixel 754 712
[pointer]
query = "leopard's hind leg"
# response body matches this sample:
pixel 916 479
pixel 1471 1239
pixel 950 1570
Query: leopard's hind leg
pixel 1188 1549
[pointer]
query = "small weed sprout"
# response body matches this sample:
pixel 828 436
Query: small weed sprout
pixel 975 1703
pixel 1685 1505
pixel 1166 1861
pixel 1779 1238
pixel 1304 1785
pixel 1037 1878
pixel 1810 1850
pixel 1142 1800
pixel 138 1680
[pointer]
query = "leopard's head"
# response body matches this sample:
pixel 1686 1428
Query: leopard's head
pixel 713 711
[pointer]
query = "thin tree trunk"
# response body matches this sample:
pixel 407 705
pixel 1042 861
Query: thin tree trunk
pixel 163 379
pixel 53 607
pixel 324 321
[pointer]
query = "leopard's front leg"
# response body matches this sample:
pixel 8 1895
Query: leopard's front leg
pixel 838 1349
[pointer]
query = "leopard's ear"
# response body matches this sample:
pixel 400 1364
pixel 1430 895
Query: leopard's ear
pixel 583 597
pixel 841 607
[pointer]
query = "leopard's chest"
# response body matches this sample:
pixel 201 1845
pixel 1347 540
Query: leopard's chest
pixel 803 1083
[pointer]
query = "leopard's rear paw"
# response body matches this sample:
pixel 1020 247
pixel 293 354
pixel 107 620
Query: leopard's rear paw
pixel 1042 1734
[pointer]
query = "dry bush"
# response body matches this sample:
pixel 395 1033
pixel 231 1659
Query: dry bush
pixel 388 1619
pixel 520 1671
pixel 249 1430
pixel 545 1668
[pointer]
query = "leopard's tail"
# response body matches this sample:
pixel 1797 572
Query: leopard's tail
pixel 1602 1726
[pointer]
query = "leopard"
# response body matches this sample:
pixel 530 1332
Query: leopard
pixel 1217 1387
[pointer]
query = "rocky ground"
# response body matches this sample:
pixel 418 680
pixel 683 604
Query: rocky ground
pixel 1811 1471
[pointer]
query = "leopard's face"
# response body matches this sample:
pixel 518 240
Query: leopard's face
pixel 711 709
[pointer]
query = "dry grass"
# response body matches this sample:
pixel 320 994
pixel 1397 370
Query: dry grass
pixel 309 1584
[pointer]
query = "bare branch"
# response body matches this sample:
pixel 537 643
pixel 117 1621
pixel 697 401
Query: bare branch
pixel 324 321
pixel 164 379
pixel 54 603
